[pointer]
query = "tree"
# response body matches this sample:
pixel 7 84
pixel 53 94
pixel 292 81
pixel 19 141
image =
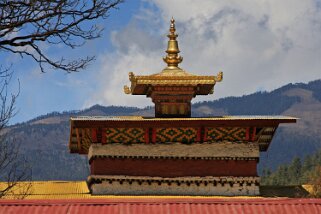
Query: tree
pixel 307 167
pixel 26 25
pixel 13 168
pixel 295 171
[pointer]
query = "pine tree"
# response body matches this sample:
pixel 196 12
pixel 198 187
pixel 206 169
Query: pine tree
pixel 295 170
pixel 307 166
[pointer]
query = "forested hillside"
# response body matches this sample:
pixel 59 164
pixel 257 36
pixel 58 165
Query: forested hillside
pixel 44 140
pixel 298 172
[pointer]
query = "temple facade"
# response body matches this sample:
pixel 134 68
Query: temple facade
pixel 173 153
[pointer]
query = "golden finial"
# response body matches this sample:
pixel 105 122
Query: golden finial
pixel 172 59
pixel 132 78
pixel 219 77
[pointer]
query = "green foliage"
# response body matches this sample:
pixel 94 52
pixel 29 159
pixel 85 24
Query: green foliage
pixel 296 173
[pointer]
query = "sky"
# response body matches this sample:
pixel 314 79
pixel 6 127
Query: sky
pixel 258 45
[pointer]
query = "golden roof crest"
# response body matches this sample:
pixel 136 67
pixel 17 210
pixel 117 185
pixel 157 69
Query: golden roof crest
pixel 172 74
pixel 172 59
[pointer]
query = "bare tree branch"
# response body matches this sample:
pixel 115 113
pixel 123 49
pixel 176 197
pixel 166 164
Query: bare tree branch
pixel 13 167
pixel 24 25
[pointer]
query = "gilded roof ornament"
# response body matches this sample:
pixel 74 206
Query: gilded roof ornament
pixel 219 77
pixel 132 78
pixel 172 75
pixel 172 58
pixel 127 90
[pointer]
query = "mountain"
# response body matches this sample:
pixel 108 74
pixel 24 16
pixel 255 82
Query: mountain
pixel 291 140
pixel 44 140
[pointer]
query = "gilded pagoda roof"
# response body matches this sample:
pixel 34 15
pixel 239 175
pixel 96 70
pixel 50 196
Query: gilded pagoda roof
pixel 172 75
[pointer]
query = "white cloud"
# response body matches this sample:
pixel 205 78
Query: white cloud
pixel 257 44
pixel 114 75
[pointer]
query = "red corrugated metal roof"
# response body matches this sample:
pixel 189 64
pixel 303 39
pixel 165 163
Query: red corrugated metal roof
pixel 158 205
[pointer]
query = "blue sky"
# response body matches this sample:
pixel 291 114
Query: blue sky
pixel 42 93
pixel 258 45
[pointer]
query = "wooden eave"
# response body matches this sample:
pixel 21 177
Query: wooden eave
pixel 203 84
pixel 145 122
pixel 266 125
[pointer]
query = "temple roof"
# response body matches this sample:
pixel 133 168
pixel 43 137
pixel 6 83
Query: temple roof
pixel 164 205
pixel 285 119
pixel 42 191
pixel 172 75
pixel 74 197
pixel 259 129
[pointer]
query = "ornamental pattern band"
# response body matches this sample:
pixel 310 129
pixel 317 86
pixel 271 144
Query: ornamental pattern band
pixel 125 135
pixel 86 136
pixel 183 135
pixel 233 134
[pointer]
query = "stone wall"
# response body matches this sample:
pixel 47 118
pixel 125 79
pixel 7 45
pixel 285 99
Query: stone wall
pixel 221 186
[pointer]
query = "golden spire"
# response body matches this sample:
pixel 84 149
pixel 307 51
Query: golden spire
pixel 172 59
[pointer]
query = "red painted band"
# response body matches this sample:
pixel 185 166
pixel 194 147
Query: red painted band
pixel 154 135
pixel 247 136
pixel 147 135
pixel 94 135
pixel 103 136
pixel 205 135
pixel 198 136
pixel 254 134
